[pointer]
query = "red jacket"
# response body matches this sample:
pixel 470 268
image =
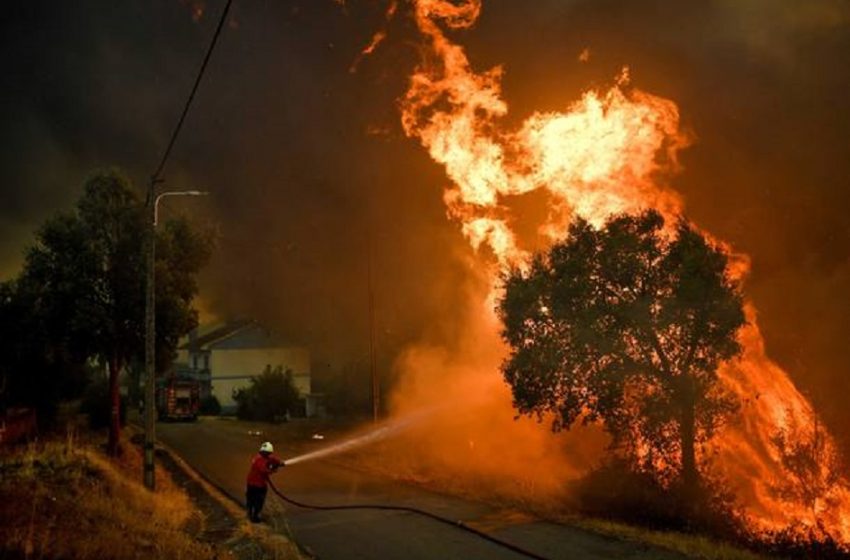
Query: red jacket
pixel 261 468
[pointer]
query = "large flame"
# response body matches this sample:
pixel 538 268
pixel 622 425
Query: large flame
pixel 607 153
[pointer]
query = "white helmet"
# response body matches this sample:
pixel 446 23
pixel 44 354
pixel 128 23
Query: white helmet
pixel 267 447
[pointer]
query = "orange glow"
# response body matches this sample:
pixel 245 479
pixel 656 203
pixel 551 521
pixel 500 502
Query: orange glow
pixel 609 152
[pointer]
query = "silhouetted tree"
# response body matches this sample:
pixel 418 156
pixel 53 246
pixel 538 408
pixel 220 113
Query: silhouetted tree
pixel 34 371
pixel 626 324
pixel 83 282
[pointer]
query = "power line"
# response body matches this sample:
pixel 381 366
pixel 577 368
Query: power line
pixel 150 288
pixel 155 178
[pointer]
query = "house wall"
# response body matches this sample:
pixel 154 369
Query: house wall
pixel 232 369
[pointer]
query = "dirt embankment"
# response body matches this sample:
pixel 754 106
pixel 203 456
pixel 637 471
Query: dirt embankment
pixel 63 498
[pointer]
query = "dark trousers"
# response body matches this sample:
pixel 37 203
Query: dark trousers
pixel 255 497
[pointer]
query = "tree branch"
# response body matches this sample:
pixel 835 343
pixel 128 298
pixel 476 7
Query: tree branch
pixel 662 357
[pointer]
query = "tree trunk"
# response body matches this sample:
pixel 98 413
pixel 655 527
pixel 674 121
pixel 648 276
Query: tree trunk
pixel 687 431
pixel 114 408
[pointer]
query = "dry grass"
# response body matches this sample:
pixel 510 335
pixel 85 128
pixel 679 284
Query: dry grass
pixel 261 542
pixel 693 546
pixel 250 541
pixel 65 499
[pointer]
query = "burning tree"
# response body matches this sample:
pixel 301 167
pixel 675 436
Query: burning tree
pixel 813 467
pixel 626 324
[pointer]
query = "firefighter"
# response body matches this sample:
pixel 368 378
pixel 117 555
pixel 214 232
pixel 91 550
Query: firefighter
pixel 262 465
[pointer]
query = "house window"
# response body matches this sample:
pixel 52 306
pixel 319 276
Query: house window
pixel 206 361
pixel 195 361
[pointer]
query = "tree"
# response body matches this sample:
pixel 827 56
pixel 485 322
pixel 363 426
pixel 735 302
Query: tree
pixel 40 365
pixel 626 324
pixel 813 467
pixel 85 279
pixel 37 369
pixel 181 253
pixel 271 395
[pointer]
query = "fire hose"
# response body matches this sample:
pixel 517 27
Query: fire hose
pixel 407 509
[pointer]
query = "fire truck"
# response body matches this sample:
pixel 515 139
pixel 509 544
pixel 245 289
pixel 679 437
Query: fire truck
pixel 178 398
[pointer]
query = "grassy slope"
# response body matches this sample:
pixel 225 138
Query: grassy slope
pixel 66 499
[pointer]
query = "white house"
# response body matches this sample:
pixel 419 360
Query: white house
pixel 225 356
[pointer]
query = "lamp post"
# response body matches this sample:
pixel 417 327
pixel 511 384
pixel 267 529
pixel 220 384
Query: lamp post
pixel 150 333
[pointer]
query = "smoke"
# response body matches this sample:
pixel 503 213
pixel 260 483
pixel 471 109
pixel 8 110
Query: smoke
pixel 471 441
pixel 605 154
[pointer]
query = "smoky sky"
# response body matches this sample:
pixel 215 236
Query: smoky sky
pixel 309 171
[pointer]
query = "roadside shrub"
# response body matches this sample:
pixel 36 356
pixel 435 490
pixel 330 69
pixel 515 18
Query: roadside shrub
pixel 96 405
pixel 270 396
pixel 210 406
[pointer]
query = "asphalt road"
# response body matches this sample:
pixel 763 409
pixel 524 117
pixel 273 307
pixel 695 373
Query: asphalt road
pixel 222 451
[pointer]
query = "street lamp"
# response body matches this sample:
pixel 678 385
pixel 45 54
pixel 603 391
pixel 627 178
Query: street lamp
pixel 160 196
pixel 150 337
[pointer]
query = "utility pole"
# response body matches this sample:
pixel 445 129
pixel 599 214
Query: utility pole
pixel 150 325
pixel 150 330
pixel 150 341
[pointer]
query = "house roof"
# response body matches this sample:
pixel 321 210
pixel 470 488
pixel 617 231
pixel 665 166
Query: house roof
pixel 241 334
pixel 220 332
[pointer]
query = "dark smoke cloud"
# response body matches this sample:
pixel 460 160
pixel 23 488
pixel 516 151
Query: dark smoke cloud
pixel 306 160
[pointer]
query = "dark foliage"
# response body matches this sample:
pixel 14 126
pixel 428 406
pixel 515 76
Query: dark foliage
pixel 96 404
pixel 270 397
pixel 35 371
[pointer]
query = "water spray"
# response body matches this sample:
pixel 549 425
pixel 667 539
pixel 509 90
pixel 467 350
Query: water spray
pixel 372 436
pixel 379 434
